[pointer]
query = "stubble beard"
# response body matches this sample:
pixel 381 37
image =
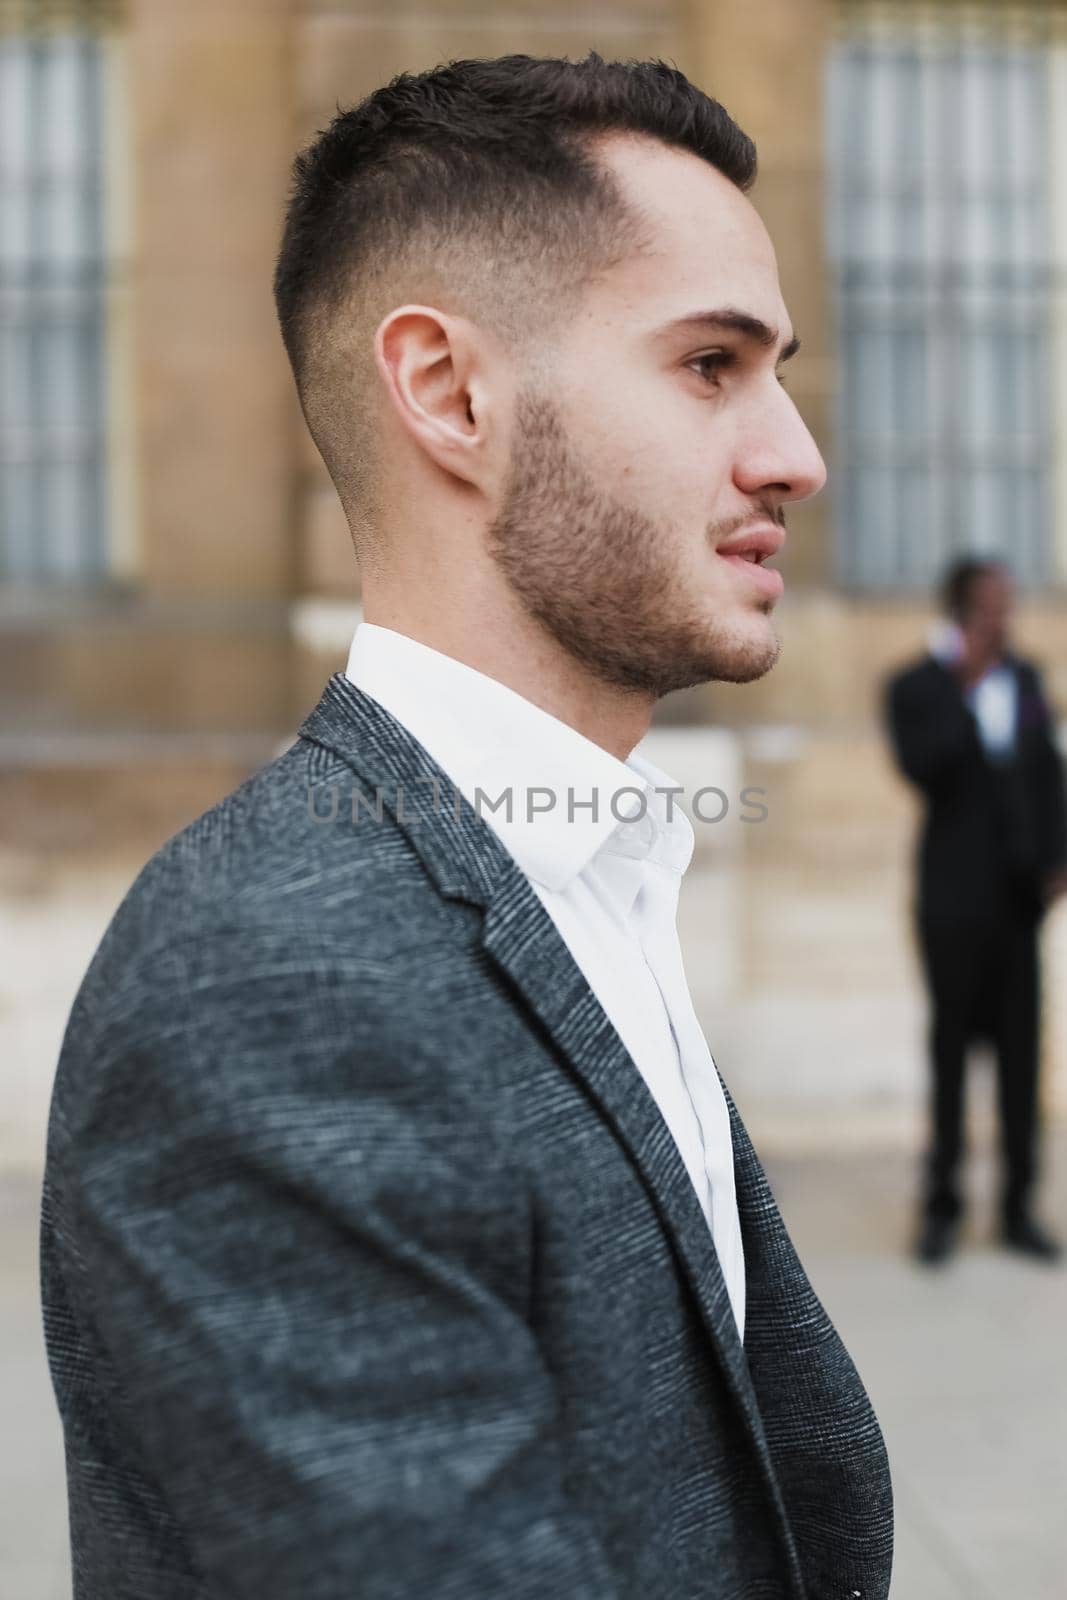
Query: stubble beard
pixel 603 579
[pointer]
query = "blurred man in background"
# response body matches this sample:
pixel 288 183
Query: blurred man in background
pixel 971 728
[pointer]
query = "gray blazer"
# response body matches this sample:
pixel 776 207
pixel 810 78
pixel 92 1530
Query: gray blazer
pixel 370 1268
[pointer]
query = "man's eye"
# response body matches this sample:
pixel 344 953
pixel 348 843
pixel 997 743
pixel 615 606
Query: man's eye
pixel 717 361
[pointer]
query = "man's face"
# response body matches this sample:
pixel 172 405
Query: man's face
pixel 988 620
pixel 655 451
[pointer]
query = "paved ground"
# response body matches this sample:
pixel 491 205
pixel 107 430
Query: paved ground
pixel 965 1367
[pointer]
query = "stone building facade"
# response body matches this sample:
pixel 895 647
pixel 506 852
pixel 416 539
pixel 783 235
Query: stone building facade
pixel 228 581
pixel 143 674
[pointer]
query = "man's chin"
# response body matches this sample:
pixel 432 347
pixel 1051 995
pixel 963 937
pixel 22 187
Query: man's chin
pixel 747 654
pixel 739 657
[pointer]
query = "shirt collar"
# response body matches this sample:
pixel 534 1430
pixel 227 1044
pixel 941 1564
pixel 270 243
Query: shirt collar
pixel 488 738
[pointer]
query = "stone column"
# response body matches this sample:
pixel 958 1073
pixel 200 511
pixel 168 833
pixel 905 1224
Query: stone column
pixel 765 63
pixel 213 137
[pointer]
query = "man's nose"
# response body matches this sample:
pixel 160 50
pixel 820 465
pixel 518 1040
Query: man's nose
pixel 780 454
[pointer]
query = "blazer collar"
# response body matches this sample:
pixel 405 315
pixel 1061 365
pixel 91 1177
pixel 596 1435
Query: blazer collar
pixel 467 861
pixel 491 739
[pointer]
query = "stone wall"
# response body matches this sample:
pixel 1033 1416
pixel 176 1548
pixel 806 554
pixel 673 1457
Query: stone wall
pixel 236 521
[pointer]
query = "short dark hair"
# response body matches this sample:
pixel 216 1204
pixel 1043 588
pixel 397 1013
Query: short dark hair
pixel 957 585
pixel 475 177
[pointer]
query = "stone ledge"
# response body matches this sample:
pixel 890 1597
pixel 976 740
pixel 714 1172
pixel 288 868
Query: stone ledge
pixel 122 664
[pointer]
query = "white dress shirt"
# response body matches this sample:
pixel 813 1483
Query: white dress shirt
pixel 609 885
pixel 993 699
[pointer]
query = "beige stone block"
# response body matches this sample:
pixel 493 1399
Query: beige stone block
pixel 486 14
pixel 118 803
pixel 148 667
pixel 328 563
pixel 212 147
pixel 1042 633
pixel 310 670
pixel 265 12
pixel 213 131
pixel 31 679
pixel 792 205
pixel 765 63
pixel 230 679
pixel 808 557
pixel 345 58
pixel 214 435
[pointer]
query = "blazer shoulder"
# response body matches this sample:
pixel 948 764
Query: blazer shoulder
pixel 917 676
pixel 271 862
pixel 261 948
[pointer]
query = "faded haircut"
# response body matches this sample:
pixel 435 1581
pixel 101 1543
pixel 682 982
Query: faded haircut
pixel 474 187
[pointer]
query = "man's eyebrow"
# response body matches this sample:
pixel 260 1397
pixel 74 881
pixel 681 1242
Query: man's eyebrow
pixel 731 321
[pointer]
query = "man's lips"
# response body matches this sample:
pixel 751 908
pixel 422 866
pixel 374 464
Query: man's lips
pixel 748 551
pixel 755 544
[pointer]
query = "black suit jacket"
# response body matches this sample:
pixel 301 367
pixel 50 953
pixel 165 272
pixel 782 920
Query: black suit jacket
pixel 992 831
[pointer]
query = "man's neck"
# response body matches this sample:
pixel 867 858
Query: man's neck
pixel 532 664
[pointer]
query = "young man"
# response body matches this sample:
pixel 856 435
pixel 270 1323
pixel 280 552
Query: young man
pixel 971 729
pixel 399 1235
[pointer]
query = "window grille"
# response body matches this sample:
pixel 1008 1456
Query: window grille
pixel 54 283
pixel 942 222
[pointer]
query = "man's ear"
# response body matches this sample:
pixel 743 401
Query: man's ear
pixel 431 366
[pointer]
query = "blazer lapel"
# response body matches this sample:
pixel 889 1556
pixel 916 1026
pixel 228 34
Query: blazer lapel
pixel 522 939
pixel 468 861
pixel 819 1424
pixel 520 936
